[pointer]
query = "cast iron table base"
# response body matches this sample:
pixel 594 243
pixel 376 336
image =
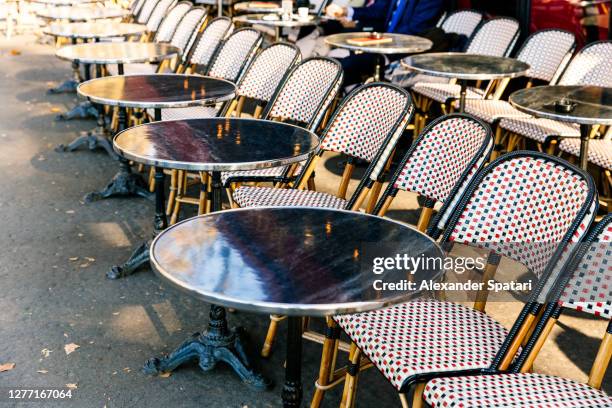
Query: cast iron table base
pixel 93 139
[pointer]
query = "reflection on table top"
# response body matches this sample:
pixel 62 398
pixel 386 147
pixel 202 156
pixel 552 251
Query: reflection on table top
pixel 81 13
pixel 466 66
pixel 117 52
pixel 94 30
pixel 276 20
pixel 401 44
pixel 216 144
pixel 296 261
pixel 591 105
pixel 156 90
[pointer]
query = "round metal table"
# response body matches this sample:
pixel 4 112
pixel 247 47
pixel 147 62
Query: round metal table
pixel 150 91
pixel 588 106
pixel 81 13
pixel 465 67
pixel 94 30
pixel 107 53
pixel 277 22
pixel 245 259
pixel 400 44
pixel 258 7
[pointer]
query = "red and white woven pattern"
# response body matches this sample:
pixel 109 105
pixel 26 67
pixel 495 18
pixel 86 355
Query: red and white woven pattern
pixel 171 21
pixel 192 112
pixel 189 23
pixel 539 129
pixel 157 15
pixel 512 391
pixel 365 121
pixel 462 22
pixel 234 54
pixel 544 51
pixel 591 66
pixel 266 72
pixel 269 196
pixel 495 37
pixel 492 110
pixel 443 92
pixel 441 157
pixel 590 288
pixel 526 200
pixel 210 39
pixel 600 151
pixel 424 338
pixel 308 86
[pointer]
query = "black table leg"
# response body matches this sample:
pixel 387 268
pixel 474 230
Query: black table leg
pixel 140 256
pixel 218 343
pixel 82 110
pixel 93 139
pixel 70 85
pixel 462 95
pixel 585 134
pixel 292 389
pixel 124 183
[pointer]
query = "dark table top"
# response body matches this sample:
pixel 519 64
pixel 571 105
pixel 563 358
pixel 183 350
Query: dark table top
pixel 81 13
pixel 156 90
pixel 466 66
pixel 117 53
pixel 295 261
pixel 592 105
pixel 216 144
pixel 94 30
pixel 401 44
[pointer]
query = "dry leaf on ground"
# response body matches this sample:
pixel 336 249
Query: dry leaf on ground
pixel 72 386
pixel 6 367
pixel 42 371
pixel 69 348
pixel 165 375
pixel 45 352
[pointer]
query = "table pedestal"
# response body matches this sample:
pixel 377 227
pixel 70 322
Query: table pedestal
pixel 292 389
pixel 93 139
pixel 124 183
pixel 70 85
pixel 462 95
pixel 218 343
pixel 585 134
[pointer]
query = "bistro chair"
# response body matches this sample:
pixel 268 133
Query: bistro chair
pixel 440 163
pixel 522 197
pixel 590 66
pixel 495 37
pixel 176 28
pixel 154 21
pixel 258 84
pixel 462 22
pixel 367 126
pixel 303 98
pixel 144 9
pixel 207 44
pixel 547 52
pixel 588 291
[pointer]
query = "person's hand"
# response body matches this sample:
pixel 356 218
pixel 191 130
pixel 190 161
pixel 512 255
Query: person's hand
pixel 335 11
pixel 348 23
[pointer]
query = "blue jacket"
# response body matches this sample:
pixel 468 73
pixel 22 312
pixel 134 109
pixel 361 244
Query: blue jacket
pixel 418 15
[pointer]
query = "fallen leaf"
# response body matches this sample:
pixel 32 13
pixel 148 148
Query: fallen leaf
pixel 165 374
pixel 42 371
pixel 84 265
pixel 15 52
pixel 69 211
pixel 69 348
pixel 115 313
pixel 54 109
pixel 6 367
pixel 90 259
pixel 127 369
pixel 41 158
pixel 72 386
pixel 45 352
pixel 74 258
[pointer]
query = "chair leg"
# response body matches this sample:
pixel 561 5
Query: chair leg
pixel 417 398
pixel 489 272
pixel 328 358
pixel 172 193
pixel 350 382
pixel 404 400
pixel 177 202
pixel 203 193
pixel 271 335
pixel 311 184
pixel 550 324
pixel 152 179
pixel 601 361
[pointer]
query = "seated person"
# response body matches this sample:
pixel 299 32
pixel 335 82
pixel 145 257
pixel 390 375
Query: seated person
pixel 406 17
